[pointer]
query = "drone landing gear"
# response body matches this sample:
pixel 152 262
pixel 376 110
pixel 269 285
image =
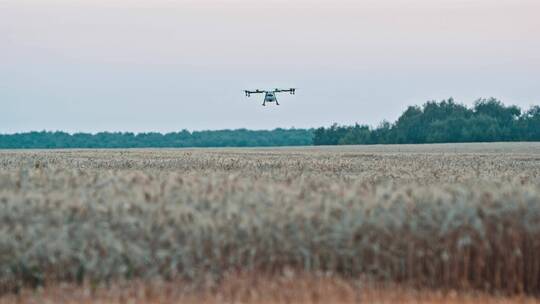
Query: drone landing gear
pixel 277 103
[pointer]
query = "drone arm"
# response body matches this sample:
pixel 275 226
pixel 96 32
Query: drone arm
pixel 248 92
pixel 291 90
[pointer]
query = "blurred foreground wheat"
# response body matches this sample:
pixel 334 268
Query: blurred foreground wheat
pixel 442 219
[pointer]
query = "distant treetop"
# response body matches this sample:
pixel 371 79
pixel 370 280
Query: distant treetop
pixel 442 122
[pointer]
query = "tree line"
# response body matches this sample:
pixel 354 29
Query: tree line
pixel 488 120
pixel 446 121
pixel 221 138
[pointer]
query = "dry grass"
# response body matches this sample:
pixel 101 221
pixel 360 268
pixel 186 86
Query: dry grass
pixel 250 288
pixel 433 216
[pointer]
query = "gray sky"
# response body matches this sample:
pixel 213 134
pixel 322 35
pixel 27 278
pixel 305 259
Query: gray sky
pixel 163 65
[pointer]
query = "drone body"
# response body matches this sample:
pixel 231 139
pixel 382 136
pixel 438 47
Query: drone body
pixel 270 95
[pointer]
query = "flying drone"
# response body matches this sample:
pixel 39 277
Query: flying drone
pixel 270 95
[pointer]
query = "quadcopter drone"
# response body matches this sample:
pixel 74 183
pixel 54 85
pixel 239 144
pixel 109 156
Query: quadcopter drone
pixel 270 95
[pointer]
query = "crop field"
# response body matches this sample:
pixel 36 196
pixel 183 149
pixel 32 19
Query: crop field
pixel 442 219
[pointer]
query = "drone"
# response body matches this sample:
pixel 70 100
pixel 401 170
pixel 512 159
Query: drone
pixel 270 95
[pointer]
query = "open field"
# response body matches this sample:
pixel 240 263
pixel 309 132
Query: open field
pixel 438 217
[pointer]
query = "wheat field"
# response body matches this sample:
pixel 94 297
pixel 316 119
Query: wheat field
pixel 442 218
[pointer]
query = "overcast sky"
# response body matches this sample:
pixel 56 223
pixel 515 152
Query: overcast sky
pixel 163 65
